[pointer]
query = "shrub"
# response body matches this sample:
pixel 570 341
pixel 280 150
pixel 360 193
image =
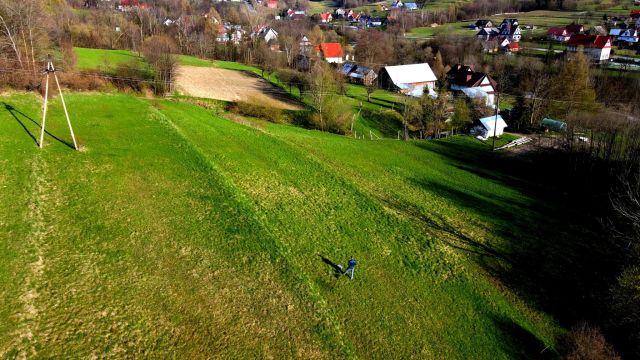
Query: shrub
pixel 625 304
pixel 256 110
pixel 77 81
pixel 587 343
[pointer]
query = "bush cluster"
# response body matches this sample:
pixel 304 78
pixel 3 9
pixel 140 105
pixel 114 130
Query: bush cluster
pixel 256 110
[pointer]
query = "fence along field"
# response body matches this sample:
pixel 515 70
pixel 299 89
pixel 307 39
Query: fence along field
pixel 179 233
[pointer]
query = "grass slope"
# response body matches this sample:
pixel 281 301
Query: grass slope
pixel 104 60
pixel 107 60
pixel 178 233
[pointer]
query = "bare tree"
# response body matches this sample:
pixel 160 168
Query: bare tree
pixel 159 51
pixel 322 87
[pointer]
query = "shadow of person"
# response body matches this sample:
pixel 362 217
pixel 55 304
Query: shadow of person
pixel 15 112
pixel 337 268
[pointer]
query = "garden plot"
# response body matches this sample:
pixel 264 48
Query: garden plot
pixel 230 85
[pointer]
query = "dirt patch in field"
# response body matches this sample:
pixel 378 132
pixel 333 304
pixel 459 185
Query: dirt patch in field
pixel 231 85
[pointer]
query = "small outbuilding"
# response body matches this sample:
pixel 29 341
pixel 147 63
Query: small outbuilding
pixel 489 126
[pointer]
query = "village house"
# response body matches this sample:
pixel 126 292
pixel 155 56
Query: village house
pixel 558 34
pixel 411 6
pixel 511 47
pixel 296 14
pixel 629 36
pixel 370 21
pixel 266 33
pixel 325 17
pixel 398 4
pixel 129 5
pixel 305 44
pixel 510 29
pixel 481 24
pixel 229 32
pixel 358 74
pixel 410 79
pixel 473 84
pixel 596 47
pixel 563 34
pixel 330 52
pixel 574 29
pixel 353 16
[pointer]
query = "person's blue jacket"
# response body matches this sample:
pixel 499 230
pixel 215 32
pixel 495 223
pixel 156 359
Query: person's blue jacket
pixel 352 263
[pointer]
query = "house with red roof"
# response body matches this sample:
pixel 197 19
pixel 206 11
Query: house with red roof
pixel 558 34
pixel 512 47
pixel 596 47
pixel 128 5
pixel 574 29
pixel 325 17
pixel 272 4
pixel 563 34
pixel 330 52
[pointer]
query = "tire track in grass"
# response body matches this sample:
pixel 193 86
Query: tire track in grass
pixel 35 247
pixel 331 329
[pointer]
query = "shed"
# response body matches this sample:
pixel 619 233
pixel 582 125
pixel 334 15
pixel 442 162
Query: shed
pixel 490 123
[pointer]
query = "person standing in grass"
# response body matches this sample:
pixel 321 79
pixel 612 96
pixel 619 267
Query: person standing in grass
pixel 351 268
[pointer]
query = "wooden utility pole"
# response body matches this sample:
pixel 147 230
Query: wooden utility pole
pixel 495 125
pixel 50 69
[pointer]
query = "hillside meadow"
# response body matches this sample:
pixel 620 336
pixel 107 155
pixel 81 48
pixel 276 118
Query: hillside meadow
pixel 177 232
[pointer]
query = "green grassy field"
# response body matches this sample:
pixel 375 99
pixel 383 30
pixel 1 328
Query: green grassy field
pixel 94 59
pixel 178 233
pixel 106 60
pixel 587 13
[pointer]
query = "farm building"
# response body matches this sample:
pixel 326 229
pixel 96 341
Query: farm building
pixel 408 79
pixel 330 52
pixel 473 84
pixel 596 47
pixel 358 74
pixel 488 126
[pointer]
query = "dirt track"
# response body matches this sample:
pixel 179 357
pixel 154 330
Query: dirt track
pixel 230 85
